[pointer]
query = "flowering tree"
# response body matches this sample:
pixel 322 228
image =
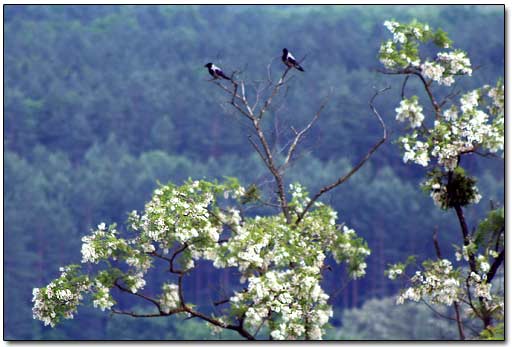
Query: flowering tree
pixel 279 257
pixel 470 125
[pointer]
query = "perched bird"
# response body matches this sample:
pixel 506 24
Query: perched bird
pixel 216 71
pixel 289 60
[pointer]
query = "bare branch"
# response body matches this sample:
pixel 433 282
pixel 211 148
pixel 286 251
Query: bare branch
pixel 339 290
pixel 300 134
pixel 402 94
pixel 147 298
pixel 267 103
pixel 448 97
pixel 427 85
pixel 257 149
pixel 238 328
pixel 272 168
pixel 356 168
pixel 436 244
pixel 234 97
pixel 244 100
pixel 220 302
pixel 458 319
pixel 269 70
pixel 495 266
pixel 176 253
pixel 258 92
pixel 436 311
pixel 145 315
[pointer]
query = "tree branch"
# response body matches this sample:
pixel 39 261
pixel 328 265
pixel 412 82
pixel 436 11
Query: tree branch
pixel 356 168
pixel 147 298
pixel 238 328
pixel 402 94
pixel 145 315
pixel 300 134
pixel 428 89
pixel 176 253
pixel 436 244
pixel 495 266
pixel 266 154
pixel 274 92
pixel 456 307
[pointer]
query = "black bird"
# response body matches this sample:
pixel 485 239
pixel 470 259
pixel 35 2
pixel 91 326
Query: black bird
pixel 216 72
pixel 289 60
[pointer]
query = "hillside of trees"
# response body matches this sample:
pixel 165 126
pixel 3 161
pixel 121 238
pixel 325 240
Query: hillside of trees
pixel 103 102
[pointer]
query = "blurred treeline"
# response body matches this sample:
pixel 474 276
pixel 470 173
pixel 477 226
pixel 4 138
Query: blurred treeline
pixel 101 102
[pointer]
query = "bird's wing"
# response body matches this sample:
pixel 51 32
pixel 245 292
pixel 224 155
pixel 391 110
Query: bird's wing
pixel 291 58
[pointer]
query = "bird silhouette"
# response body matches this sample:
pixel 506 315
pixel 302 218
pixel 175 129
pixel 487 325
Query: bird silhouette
pixel 290 61
pixel 216 71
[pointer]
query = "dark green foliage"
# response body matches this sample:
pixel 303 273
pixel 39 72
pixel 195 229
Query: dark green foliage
pixel 101 102
pixel 460 189
pixel 252 194
pixel 491 229
pixel 494 333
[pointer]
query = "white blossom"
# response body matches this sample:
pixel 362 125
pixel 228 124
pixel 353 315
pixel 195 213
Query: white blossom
pixel 102 300
pixel 170 298
pixel 450 114
pixel 391 25
pixel 469 101
pixel 432 71
pixel 410 110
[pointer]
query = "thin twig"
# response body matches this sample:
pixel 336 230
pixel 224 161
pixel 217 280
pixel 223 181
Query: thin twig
pixel 436 243
pixel 147 298
pixel 402 95
pixel 145 315
pixel 300 134
pixel 356 168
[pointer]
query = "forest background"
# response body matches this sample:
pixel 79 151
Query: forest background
pixel 101 102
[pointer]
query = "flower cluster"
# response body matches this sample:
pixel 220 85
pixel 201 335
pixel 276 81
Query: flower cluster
pixel 497 95
pixel 447 65
pixel 441 283
pixel 102 244
pixel 402 51
pixel 459 131
pixel 60 298
pixel 102 297
pixel 457 134
pixel 252 248
pixel 438 283
pixel 415 150
pixel 455 62
pixel 135 281
pixel 280 263
pixel 480 287
pixel 410 110
pixel 294 300
pixel 395 271
pixel 179 214
pixel 170 298
pixel 300 197
pixel 467 250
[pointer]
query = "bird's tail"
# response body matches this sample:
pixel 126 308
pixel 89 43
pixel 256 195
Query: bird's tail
pixel 224 76
pixel 298 67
